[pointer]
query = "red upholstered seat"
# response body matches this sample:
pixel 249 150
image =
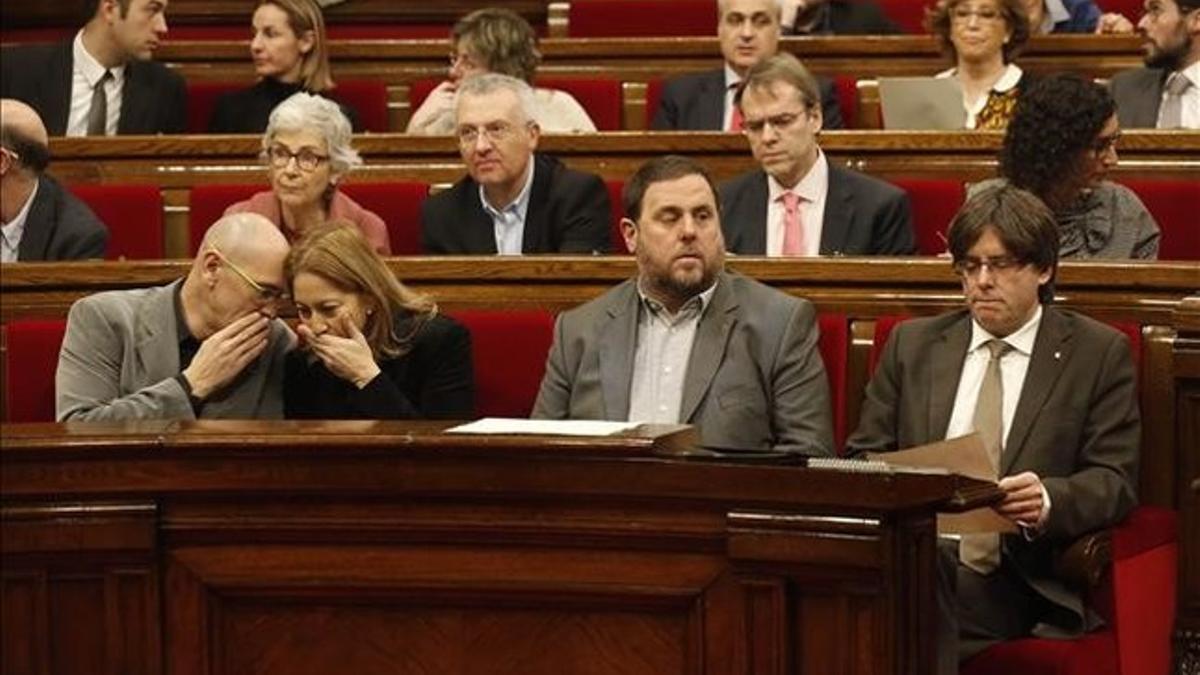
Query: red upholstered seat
pixel 618 211
pixel 654 90
pixel 368 98
pixel 30 361
pixel 834 344
pixel 207 203
pixel 641 18
pixel 134 216
pixel 399 204
pixel 934 203
pixel 1132 9
pixel 1173 204
pixel 847 95
pixel 509 348
pixel 909 15
pixel 599 96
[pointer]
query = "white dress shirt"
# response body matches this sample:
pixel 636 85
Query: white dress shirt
pixel 509 220
pixel 1190 109
pixel 662 350
pixel 11 232
pixel 87 71
pixel 1013 368
pixel 813 188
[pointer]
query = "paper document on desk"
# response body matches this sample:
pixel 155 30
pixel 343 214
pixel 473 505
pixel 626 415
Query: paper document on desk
pixel 965 456
pixel 513 425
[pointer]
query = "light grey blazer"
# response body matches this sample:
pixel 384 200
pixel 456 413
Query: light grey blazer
pixel 755 380
pixel 120 357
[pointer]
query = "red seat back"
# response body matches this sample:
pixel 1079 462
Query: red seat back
pixel 30 361
pixel 641 18
pixel 654 89
pixel 834 344
pixel 909 15
pixel 1132 9
pixel 509 348
pixel 134 216
pixel 399 204
pixel 368 98
pixel 599 96
pixel 1173 204
pixel 846 87
pixel 618 211
pixel 206 205
pixel 934 204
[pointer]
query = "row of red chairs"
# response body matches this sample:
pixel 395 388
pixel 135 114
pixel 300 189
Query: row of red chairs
pixel 134 213
pixel 509 353
pixel 585 19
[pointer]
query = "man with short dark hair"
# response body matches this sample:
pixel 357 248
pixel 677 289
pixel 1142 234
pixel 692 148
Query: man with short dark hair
pixel 513 199
pixel 798 203
pixel 1165 94
pixel 1053 397
pixel 749 32
pixel 206 346
pixel 104 81
pixel 41 220
pixel 687 342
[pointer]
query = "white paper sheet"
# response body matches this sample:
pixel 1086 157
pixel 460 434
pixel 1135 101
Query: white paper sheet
pixel 511 425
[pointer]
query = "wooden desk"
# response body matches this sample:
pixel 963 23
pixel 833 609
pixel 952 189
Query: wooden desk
pixel 386 548
pixel 176 163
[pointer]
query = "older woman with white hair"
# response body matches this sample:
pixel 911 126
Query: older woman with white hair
pixel 307 151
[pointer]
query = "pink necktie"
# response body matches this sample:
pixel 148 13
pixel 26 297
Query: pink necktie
pixel 735 117
pixel 793 232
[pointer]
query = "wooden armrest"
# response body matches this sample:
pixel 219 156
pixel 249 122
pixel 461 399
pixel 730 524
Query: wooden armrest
pixel 1085 562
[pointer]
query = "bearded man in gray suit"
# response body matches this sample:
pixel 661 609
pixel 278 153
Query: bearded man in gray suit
pixel 1166 93
pixel 1052 394
pixel 206 346
pixel 687 342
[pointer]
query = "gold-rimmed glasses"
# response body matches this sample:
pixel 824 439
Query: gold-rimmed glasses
pixel 265 293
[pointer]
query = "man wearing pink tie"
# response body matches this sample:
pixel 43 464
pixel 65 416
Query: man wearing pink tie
pixel 798 203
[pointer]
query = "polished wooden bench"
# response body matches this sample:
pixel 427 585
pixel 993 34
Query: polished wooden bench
pixel 176 163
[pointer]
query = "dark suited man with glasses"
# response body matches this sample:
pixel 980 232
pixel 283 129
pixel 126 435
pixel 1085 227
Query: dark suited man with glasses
pixel 1053 396
pixel 513 200
pixel 206 346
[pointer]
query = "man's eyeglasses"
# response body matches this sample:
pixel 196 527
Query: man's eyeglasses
pixel 970 267
pixel 962 14
pixel 266 294
pixel 494 132
pixel 777 122
pixel 1105 143
pixel 306 159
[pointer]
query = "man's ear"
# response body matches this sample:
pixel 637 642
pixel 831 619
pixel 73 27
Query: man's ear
pixel 535 134
pixel 210 262
pixel 629 232
pixel 110 10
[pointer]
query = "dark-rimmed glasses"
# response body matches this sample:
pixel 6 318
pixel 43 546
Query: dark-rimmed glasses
pixel 971 267
pixel 306 159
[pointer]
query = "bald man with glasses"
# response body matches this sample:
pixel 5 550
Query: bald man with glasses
pixel 206 346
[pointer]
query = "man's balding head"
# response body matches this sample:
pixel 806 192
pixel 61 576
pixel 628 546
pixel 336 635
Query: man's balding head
pixel 243 237
pixel 239 269
pixel 23 134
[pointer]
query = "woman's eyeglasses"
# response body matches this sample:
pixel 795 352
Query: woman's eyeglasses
pixel 306 159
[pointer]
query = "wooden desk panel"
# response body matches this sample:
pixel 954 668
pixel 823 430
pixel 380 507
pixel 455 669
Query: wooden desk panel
pixel 379 547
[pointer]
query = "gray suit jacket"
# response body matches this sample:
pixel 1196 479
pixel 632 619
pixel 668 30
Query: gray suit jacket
pixel 60 227
pixel 863 215
pixel 1138 93
pixel 754 381
pixel 120 356
pixel 1076 426
pixel 696 102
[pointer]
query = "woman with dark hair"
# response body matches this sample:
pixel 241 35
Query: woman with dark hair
pixel 1060 145
pixel 981 38
pixel 290 55
pixel 496 40
pixel 371 348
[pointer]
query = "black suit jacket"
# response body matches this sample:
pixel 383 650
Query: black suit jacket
pixel 568 213
pixel 153 99
pixel 696 102
pixel 863 215
pixel 60 227
pixel 852 17
pixel 1076 426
